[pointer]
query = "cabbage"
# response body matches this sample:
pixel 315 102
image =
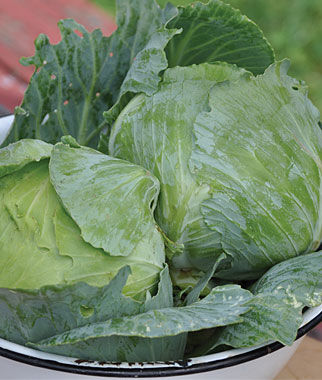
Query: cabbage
pixel 44 243
pixel 238 158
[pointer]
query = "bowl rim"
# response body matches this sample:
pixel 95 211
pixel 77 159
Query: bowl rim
pixel 158 369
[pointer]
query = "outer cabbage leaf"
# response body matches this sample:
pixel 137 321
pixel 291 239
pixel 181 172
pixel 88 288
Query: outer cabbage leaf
pixel 217 32
pixel 28 245
pixel 280 295
pixel 111 200
pixel 156 133
pixel 298 279
pixel 123 349
pixel 82 76
pixel 29 316
pixel 143 75
pixel 224 305
pixel 197 290
pixel 16 156
pixel 270 319
pixel 95 267
pixel 259 149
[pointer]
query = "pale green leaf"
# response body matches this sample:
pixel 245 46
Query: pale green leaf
pixel 37 236
pixel 28 204
pixel 16 156
pixel 97 268
pixel 111 200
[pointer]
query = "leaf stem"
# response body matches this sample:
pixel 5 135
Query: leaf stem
pixel 83 126
pixel 95 132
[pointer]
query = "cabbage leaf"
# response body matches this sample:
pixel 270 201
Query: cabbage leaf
pixel 33 315
pixel 276 313
pixel 87 74
pixel 16 156
pixel 96 189
pixel 224 305
pixel 217 32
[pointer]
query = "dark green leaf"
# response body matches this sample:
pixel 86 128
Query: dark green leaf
pixel 217 32
pixel 299 279
pixel 31 315
pixel 270 319
pixel 143 75
pixel 224 305
pixel 276 314
pixel 80 77
pixel 194 295
pixel 164 297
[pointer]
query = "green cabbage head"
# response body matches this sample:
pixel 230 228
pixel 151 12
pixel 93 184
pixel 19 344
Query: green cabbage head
pixel 71 214
pixel 239 159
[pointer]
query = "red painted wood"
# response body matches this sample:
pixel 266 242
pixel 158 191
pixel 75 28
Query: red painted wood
pixel 21 21
pixel 11 89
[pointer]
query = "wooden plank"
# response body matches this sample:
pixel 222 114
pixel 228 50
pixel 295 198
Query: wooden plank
pixel 21 21
pixel 11 89
pixel 306 364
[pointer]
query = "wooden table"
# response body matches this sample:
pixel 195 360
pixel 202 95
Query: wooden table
pixel 306 364
pixel 21 21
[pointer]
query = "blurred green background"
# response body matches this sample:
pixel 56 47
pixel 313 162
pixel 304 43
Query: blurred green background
pixel 293 27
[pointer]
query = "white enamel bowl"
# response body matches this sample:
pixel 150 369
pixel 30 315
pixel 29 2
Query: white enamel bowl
pixel 260 363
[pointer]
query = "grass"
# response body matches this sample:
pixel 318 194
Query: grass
pixel 294 29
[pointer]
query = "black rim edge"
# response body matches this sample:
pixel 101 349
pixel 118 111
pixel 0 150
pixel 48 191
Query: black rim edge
pixel 161 371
